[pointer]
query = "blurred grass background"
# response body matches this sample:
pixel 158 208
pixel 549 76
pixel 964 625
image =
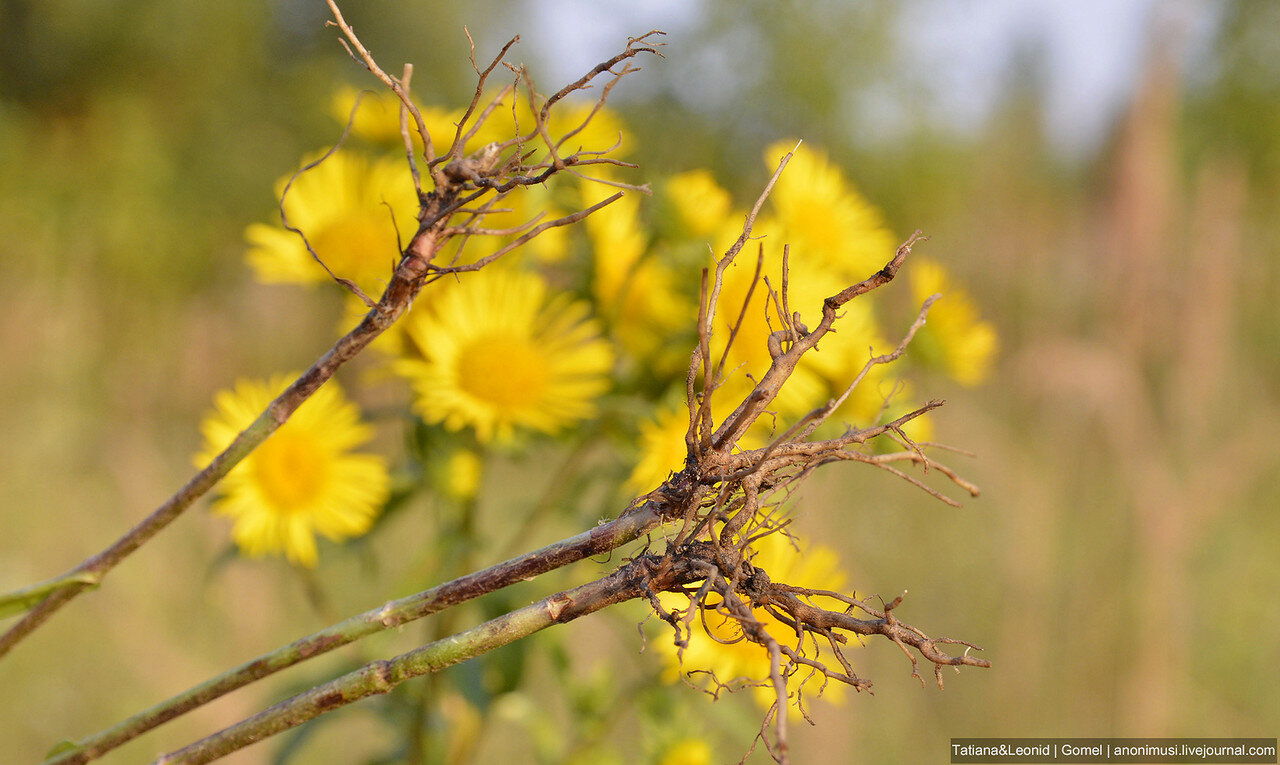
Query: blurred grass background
pixel 1120 568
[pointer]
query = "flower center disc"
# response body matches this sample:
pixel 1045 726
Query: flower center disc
pixel 504 371
pixel 289 470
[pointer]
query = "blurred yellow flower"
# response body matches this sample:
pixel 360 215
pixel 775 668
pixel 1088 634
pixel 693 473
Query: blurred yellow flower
pixel 729 656
pixel 303 479
pixel 461 474
pixel 497 352
pixel 837 239
pixel 841 357
pixel 702 206
pixel 688 751
pixel 345 207
pixel 823 217
pixel 918 430
pixel 378 120
pixel 955 338
pixel 604 132
pixel 662 449
pixel 750 352
pixel 634 289
pixel 513 211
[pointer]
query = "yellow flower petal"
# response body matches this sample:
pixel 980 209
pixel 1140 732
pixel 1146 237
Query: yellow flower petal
pixel 302 480
pixel 689 751
pixel 823 216
pixel 954 338
pixel 345 206
pixel 497 354
pixel 815 567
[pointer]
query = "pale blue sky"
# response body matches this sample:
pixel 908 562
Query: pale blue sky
pixel 956 51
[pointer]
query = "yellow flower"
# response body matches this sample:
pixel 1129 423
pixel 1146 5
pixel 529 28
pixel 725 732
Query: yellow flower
pixel 460 478
pixel 498 353
pixel 814 567
pixel 750 353
pixel 837 239
pixel 635 289
pixel 604 132
pixel 954 338
pixel 841 357
pixel 688 751
pixel 662 450
pixel 823 216
pixel 514 210
pixel 918 430
pixel 345 207
pixel 703 207
pixel 378 120
pixel 303 479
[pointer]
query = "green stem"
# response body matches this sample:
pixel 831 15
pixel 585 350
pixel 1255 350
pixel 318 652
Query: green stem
pixel 601 539
pixel 635 579
pixel 418 737
pixel 93 569
pixel 13 603
pixel 90 572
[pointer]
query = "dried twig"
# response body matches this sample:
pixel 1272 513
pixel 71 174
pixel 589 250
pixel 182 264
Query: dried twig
pixel 457 183
pixel 600 539
pixel 725 491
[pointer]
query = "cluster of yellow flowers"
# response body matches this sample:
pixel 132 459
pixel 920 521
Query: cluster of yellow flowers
pixel 529 345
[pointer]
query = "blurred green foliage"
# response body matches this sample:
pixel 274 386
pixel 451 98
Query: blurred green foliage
pixel 138 139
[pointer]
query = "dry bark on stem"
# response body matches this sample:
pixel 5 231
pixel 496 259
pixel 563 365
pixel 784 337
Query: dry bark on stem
pixel 481 175
pixel 599 540
pixel 636 579
pixel 723 499
pixel 640 578
pixel 729 493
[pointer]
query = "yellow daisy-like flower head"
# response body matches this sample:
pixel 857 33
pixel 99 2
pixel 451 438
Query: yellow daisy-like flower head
pixel 954 338
pixel 377 120
pixel 823 216
pixel 662 450
pixel 303 480
pixel 345 206
pixel 605 131
pixel 498 353
pixel 699 202
pixel 635 288
pixel 511 117
pixel 750 352
pixel 511 212
pixel 728 657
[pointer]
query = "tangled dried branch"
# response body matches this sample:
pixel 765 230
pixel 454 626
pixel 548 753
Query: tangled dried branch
pixel 726 498
pixel 458 181
pixel 716 508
